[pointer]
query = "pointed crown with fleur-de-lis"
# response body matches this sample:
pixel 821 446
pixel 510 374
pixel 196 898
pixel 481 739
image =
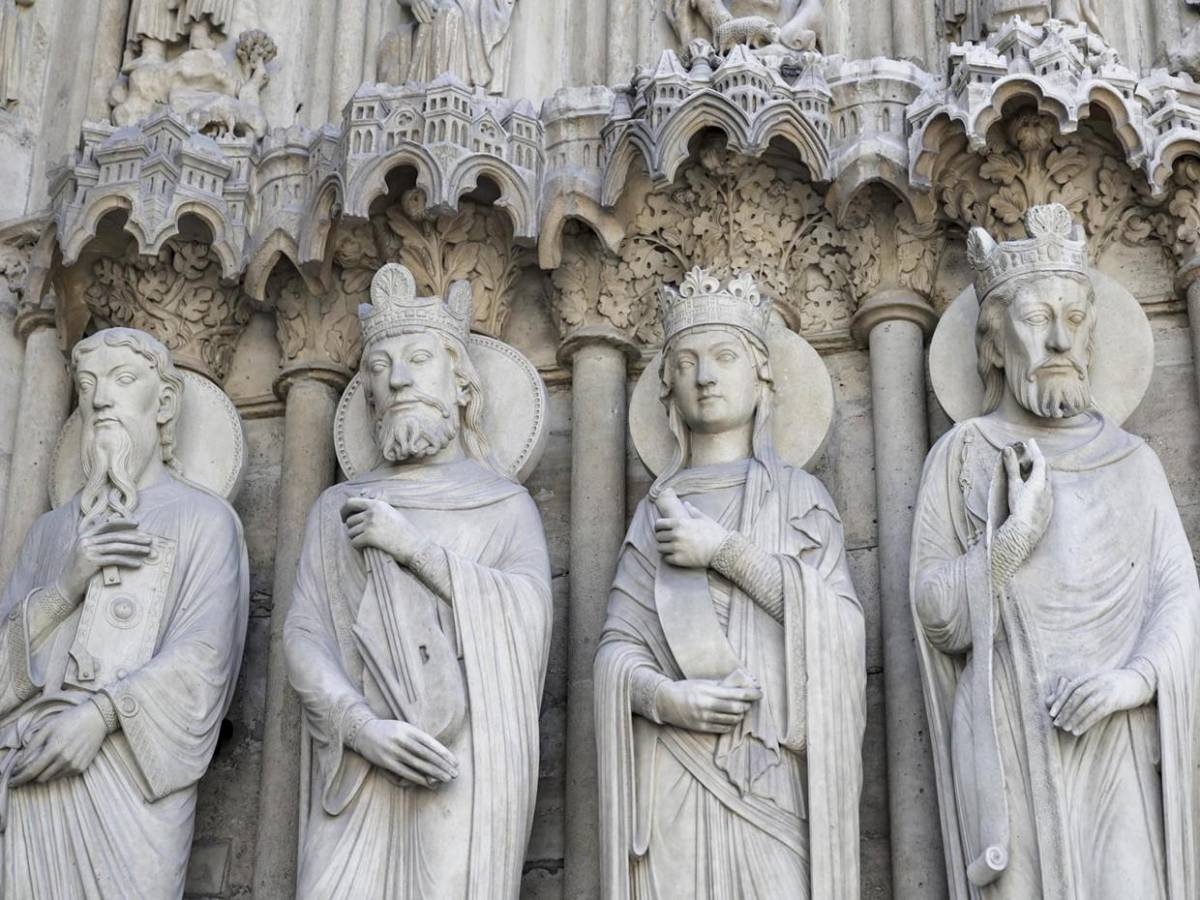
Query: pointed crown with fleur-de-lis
pixel 701 299
pixel 395 307
pixel 1056 245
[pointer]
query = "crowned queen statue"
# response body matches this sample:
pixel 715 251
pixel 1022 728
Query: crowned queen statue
pixel 730 676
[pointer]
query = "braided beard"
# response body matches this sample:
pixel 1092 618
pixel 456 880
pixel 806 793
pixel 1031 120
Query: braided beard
pixel 417 431
pixel 109 487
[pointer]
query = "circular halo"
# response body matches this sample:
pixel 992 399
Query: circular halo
pixel 801 419
pixel 514 414
pixel 210 446
pixel 1122 358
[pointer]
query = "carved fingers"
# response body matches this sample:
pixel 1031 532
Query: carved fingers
pixel 63 747
pixel 1030 494
pixel 707 706
pixel 114 543
pixel 375 523
pixel 408 752
pixel 690 539
pixel 1078 704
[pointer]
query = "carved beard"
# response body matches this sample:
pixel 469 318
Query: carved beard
pixel 415 431
pixel 109 483
pixel 1050 394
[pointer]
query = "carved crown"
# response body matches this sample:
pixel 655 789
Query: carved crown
pixel 1055 245
pixel 701 300
pixel 395 307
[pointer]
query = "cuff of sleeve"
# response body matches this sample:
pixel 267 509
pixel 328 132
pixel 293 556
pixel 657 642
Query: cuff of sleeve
pixel 352 723
pixel 753 570
pixel 1012 546
pixel 1145 668
pixel 645 690
pixel 108 711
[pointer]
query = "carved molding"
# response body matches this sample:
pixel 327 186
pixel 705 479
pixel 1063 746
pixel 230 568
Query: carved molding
pixel 178 296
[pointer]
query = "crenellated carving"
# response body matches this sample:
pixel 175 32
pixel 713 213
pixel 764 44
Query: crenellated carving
pixel 751 101
pixel 179 296
pixel 1059 67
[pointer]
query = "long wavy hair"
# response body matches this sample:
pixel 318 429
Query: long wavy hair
pixel 761 442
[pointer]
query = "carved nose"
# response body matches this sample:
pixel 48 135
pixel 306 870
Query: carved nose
pixel 401 377
pixel 1059 341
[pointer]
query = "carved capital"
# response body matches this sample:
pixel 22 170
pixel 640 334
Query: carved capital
pixel 475 243
pixel 318 334
pixel 589 335
pixel 892 306
pixel 179 297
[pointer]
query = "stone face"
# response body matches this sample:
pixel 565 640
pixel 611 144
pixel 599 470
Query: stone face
pixel 240 204
pixel 1042 675
pixel 125 618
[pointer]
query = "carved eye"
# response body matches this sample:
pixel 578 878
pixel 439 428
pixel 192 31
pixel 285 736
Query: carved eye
pixel 378 365
pixel 1077 317
pixel 727 356
pixel 1037 319
pixel 684 363
pixel 126 378
pixel 86 383
pixel 421 356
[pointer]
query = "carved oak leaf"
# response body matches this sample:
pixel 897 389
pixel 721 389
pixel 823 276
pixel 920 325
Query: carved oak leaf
pixel 1009 203
pixel 1065 163
pixel 1001 168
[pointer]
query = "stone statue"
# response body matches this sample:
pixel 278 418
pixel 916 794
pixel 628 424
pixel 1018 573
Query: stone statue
pixel 730 677
pixel 217 97
pixel 467 38
pixel 153 25
pixel 769 26
pixel 980 17
pixel 419 630
pixel 12 50
pixel 198 19
pixel 122 636
pixel 1057 610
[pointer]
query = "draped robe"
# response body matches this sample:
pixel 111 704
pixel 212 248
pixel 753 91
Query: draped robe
pixel 1108 815
pixel 770 809
pixel 367 834
pixel 469 38
pixel 122 830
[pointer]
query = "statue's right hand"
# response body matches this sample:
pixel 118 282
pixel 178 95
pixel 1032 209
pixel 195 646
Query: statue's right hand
pixel 1030 499
pixel 406 751
pixel 114 543
pixel 424 11
pixel 698 704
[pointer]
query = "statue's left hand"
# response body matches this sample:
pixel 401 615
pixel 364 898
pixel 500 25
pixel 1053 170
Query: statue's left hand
pixel 1076 705
pixel 686 537
pixel 63 747
pixel 374 523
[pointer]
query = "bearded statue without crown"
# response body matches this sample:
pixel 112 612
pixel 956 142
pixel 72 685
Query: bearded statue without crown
pixel 120 644
pixel 419 631
pixel 730 678
pixel 1057 609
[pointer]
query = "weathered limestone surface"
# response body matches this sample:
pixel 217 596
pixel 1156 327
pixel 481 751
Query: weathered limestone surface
pixel 242 220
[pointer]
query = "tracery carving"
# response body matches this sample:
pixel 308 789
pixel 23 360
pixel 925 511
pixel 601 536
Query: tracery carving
pixel 179 297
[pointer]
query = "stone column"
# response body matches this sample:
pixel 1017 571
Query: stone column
pixel 319 339
pixel 893 324
pixel 45 402
pixel 597 354
pixel 1189 280
pixel 309 466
